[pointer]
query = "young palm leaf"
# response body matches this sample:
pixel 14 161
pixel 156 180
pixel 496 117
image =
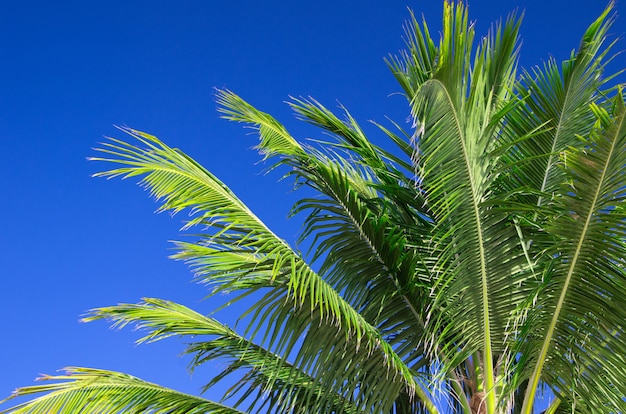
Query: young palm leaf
pixel 458 106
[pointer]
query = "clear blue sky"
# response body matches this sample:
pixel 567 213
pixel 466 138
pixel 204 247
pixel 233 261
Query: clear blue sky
pixel 72 69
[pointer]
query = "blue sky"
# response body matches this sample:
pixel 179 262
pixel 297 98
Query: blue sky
pixel 70 70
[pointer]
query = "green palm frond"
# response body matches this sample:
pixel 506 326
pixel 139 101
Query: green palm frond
pixel 240 241
pixel 333 221
pixel 88 390
pixel 581 349
pixel 258 368
pixel 557 104
pixel 350 203
pixel 346 228
pixel 416 64
pixel 391 176
pixel 349 186
pixel 243 254
pixel 458 110
pixel 349 224
pixel 351 137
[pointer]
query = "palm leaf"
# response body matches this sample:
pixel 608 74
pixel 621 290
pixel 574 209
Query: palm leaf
pixel 557 105
pixel 298 300
pixel 582 348
pixel 88 390
pixel 458 110
pixel 263 370
pixel 473 267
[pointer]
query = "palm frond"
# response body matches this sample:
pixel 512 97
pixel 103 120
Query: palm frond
pixel 280 385
pixel 416 64
pixel 458 110
pixel 350 137
pixel 348 216
pixel 557 102
pixel 298 300
pixel 88 390
pixel 582 348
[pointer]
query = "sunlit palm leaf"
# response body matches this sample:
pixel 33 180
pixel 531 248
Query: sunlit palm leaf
pixel 87 390
pixel 557 102
pixel 348 216
pixel 256 367
pixel 581 348
pixel 299 301
pixel 458 110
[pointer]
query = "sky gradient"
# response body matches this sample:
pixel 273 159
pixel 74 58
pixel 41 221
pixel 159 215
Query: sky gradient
pixel 72 70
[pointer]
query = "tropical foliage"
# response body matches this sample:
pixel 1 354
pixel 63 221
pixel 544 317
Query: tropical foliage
pixel 473 266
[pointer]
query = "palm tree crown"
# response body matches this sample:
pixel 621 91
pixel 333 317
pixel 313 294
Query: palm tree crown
pixel 470 268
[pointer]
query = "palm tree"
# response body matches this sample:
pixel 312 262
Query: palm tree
pixel 476 265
